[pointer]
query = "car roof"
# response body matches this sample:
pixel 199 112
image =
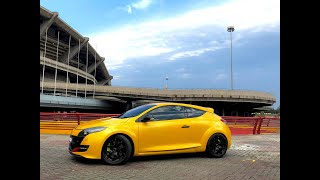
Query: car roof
pixel 208 109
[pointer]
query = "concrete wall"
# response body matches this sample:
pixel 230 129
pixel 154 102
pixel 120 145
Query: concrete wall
pixel 49 77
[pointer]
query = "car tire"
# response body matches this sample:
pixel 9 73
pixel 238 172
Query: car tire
pixel 116 150
pixel 217 146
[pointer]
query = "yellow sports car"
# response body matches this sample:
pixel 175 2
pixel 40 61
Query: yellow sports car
pixel 152 129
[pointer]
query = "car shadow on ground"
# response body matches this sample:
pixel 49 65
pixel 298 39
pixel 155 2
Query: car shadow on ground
pixel 145 158
pixel 167 157
pixel 85 161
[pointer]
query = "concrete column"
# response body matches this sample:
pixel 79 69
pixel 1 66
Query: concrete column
pixel 109 83
pixel 47 24
pixel 73 51
pixel 128 105
pixel 105 81
pixel 92 67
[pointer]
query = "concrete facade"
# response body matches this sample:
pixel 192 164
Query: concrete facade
pixel 79 59
pixel 225 102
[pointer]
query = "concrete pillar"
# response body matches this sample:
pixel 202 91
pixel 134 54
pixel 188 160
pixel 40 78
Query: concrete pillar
pixel 73 51
pixel 47 24
pixel 92 67
pixel 216 112
pixel 128 105
pixel 105 81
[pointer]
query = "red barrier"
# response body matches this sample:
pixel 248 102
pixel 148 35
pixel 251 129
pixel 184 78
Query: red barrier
pixel 252 125
pixel 269 124
pixel 238 125
pixel 71 117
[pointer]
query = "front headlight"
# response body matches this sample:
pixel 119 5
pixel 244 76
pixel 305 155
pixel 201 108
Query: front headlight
pixel 85 132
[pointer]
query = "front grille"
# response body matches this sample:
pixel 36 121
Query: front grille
pixel 76 141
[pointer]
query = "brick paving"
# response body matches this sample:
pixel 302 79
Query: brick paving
pixel 250 157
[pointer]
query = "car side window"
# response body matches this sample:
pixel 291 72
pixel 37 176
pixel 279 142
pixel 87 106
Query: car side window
pixel 191 112
pixel 167 113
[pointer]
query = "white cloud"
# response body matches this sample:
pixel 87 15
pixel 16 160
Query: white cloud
pixel 180 70
pixel 197 52
pixel 184 76
pixel 129 9
pixel 182 73
pixel 115 67
pixel 153 38
pixel 221 76
pixel 142 4
pixel 116 77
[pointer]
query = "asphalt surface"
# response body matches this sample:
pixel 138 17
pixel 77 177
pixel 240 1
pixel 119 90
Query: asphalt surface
pixel 250 157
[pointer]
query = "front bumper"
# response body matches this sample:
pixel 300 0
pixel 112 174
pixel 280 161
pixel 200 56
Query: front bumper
pixel 89 146
pixel 75 144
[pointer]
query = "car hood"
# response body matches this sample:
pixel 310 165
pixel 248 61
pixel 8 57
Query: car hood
pixel 101 122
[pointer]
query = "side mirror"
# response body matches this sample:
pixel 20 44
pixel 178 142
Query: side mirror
pixel 146 119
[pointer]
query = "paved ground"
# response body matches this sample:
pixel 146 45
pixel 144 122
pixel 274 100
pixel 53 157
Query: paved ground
pixel 250 157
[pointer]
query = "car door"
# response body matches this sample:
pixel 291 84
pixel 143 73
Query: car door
pixel 168 130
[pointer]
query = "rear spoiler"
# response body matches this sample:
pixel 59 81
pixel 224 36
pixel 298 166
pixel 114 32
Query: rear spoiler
pixel 207 109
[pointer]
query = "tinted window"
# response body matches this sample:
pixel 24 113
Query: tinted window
pixel 136 111
pixel 191 112
pixel 167 113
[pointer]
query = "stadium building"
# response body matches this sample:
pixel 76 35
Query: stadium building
pixel 74 77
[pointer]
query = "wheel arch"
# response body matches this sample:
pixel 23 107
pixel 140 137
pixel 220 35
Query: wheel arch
pixel 217 133
pixel 124 134
pixel 205 138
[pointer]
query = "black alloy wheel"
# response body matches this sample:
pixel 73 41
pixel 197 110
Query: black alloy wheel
pixel 117 150
pixel 217 145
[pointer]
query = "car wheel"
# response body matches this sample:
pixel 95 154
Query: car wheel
pixel 117 150
pixel 217 145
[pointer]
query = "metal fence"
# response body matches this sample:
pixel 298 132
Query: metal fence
pixel 252 125
pixel 238 125
pixel 72 117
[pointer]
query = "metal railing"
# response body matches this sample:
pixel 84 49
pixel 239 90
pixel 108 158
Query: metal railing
pixel 238 125
pixel 252 125
pixel 44 116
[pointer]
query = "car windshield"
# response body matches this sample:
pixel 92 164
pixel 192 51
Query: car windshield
pixel 136 111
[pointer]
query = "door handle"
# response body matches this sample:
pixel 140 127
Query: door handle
pixel 185 126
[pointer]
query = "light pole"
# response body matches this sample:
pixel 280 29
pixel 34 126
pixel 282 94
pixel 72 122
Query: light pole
pixel 231 29
pixel 167 83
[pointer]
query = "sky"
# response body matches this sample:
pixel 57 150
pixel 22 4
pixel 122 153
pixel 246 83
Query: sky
pixel 145 41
